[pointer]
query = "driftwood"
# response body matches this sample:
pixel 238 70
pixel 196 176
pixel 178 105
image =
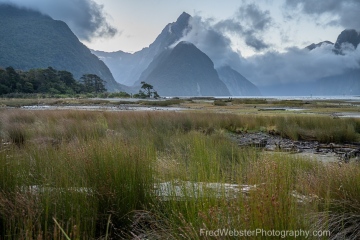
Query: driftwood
pixel 345 151
pixel 272 141
pixel 337 146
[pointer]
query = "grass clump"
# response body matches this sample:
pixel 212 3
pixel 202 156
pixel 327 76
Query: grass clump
pixel 219 102
pixel 320 128
pixel 289 103
pixel 249 101
pixel 162 103
pixel 166 175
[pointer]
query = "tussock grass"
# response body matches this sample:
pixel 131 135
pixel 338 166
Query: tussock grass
pixel 162 103
pixel 219 102
pixel 289 103
pixel 249 101
pixel 320 128
pixel 83 168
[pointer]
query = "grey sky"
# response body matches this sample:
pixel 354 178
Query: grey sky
pixel 262 39
pixel 253 27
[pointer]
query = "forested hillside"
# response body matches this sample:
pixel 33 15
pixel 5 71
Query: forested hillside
pixel 48 81
pixel 31 40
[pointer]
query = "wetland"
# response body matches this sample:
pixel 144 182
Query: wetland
pixel 135 169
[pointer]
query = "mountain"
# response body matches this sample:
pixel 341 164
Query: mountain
pixel 128 67
pixel 313 45
pixel 184 71
pixel 347 38
pixel 31 40
pixel 347 83
pixel 290 89
pixel 237 84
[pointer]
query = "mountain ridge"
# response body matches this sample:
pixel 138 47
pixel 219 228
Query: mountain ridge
pixel 34 40
pixel 131 66
pixel 184 71
pixel 127 67
pixel 237 84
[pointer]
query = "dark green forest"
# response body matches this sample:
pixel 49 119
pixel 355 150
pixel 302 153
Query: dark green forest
pixel 48 81
pixel 30 40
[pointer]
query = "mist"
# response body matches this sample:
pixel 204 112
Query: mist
pixel 298 65
pixel 86 18
pixel 293 66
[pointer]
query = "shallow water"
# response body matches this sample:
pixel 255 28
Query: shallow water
pixel 103 108
pixel 348 115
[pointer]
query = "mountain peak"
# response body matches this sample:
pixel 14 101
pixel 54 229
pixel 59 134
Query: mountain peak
pixel 184 71
pixel 350 36
pixel 184 18
pixel 313 45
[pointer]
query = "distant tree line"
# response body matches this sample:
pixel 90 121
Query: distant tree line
pixel 48 81
pixel 148 91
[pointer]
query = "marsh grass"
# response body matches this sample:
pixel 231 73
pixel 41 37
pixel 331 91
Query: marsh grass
pixel 289 103
pixel 249 101
pixel 162 103
pixel 320 128
pixel 219 102
pixel 81 167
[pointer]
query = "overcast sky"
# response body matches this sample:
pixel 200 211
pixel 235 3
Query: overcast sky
pixel 262 39
pixel 131 25
pixel 139 22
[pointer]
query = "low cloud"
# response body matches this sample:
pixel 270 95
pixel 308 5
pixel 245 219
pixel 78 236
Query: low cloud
pixel 213 38
pixel 294 65
pixel 250 23
pixel 86 18
pixel 212 42
pixel 297 65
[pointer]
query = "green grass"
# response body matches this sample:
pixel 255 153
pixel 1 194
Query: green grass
pixel 219 102
pixel 249 101
pixel 163 103
pixel 96 174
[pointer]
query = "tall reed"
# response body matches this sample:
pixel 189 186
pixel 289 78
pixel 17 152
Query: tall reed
pixel 165 175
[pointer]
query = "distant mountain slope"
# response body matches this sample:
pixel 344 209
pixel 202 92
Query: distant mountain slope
pixel 237 84
pixel 347 83
pixel 31 40
pixel 313 45
pixel 184 71
pixel 127 67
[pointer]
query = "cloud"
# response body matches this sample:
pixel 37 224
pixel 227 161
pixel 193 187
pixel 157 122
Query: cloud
pixel 292 66
pixel 254 17
pixel 255 42
pixel 86 18
pixel 213 37
pixel 249 22
pixel 211 41
pixel 344 12
pixel 297 65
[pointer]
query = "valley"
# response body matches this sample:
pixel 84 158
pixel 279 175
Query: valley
pixel 181 164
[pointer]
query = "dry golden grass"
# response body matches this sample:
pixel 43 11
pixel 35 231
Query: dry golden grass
pixel 82 167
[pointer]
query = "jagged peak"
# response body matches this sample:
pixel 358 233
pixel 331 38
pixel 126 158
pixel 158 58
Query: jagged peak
pixel 316 45
pixel 350 36
pixel 351 30
pixel 184 17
